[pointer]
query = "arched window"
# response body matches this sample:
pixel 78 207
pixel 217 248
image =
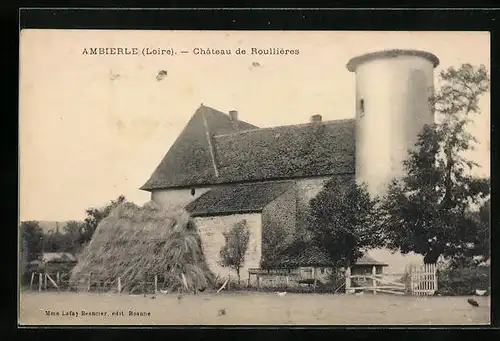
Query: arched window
pixel 362 107
pixel 193 191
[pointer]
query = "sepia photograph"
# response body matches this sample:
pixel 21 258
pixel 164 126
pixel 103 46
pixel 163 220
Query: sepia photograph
pixel 254 178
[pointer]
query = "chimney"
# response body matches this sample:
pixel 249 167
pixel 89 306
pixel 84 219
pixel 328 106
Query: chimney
pixel 233 116
pixel 316 118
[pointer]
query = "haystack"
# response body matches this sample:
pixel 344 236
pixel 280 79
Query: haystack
pixel 136 243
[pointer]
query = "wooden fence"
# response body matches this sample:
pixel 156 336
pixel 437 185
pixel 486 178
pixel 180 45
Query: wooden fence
pixel 373 282
pixel 418 280
pixel 422 279
pixel 43 281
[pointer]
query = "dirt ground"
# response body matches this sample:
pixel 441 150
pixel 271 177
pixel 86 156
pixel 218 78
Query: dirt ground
pixel 248 308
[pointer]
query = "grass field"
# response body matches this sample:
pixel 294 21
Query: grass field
pixel 249 308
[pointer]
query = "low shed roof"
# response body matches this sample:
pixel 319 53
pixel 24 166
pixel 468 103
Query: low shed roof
pixel 58 257
pixel 248 198
pixel 367 260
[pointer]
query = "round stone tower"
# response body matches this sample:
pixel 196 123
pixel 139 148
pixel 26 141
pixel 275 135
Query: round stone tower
pixel 392 106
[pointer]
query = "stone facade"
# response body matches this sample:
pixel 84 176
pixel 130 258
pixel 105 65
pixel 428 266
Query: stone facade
pixel 212 229
pixel 271 231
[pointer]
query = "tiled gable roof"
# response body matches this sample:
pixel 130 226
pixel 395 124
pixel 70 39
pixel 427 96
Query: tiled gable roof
pixel 286 152
pixel 189 160
pixel 235 199
pixel 253 154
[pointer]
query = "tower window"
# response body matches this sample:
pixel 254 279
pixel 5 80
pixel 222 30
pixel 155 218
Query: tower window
pixel 362 107
pixel 193 191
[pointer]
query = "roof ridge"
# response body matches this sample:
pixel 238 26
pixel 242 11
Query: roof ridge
pixel 226 115
pixel 209 141
pixel 343 120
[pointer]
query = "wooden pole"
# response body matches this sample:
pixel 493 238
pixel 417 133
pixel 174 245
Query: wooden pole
pixel 119 285
pixel 374 275
pixel 258 281
pixel 90 277
pixel 348 280
pixel 32 279
pixel 45 281
pixel 435 278
pixel 156 284
pixel 58 278
pixel 40 281
pixel 52 281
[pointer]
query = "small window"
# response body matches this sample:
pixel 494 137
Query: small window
pixel 322 270
pixel 362 107
pixel 193 191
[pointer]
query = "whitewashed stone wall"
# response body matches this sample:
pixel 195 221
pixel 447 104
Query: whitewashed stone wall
pixel 212 229
pixel 170 198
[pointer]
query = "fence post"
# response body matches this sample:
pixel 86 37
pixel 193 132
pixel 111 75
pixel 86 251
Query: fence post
pixel 410 275
pixel 57 278
pixel 45 281
pixel 88 286
pixel 156 284
pixel 374 275
pixel 32 278
pixel 435 278
pixel 40 281
pixel 348 279
pixel 119 285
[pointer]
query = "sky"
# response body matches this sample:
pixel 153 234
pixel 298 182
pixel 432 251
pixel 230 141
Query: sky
pixel 93 127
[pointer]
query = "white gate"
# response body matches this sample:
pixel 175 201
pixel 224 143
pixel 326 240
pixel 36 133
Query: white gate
pixel 423 279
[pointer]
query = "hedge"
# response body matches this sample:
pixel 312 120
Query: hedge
pixel 463 281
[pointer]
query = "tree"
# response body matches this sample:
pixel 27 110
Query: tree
pixel 32 234
pixel 342 221
pixel 427 211
pixel 274 243
pixel 54 242
pixel 73 231
pixel 233 252
pixel 95 216
pixel 481 246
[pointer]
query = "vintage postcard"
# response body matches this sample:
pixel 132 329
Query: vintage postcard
pixel 254 178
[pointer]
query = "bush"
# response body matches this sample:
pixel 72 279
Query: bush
pixel 463 281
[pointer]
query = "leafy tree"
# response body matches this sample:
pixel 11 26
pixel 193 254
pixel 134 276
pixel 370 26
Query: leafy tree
pixel 342 221
pixel 274 242
pixel 54 242
pixel 482 243
pixel 95 216
pixel 73 231
pixel 32 234
pixel 233 252
pixel 427 211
